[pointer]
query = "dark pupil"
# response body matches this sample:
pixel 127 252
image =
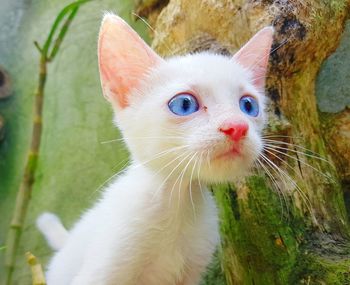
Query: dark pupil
pixel 248 106
pixel 186 103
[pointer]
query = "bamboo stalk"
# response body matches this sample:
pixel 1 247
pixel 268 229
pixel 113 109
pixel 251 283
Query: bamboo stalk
pixel 38 277
pixel 24 193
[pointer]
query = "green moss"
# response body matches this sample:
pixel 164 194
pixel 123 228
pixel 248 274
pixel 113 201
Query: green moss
pixel 263 246
pixel 214 274
pixel 314 269
pixel 263 237
pixel 336 6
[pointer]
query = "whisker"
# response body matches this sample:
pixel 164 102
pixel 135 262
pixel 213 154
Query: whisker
pixel 284 162
pixel 102 185
pixel 198 171
pixel 275 184
pixel 126 138
pixel 289 166
pixel 285 175
pixel 208 159
pixel 312 155
pixel 280 136
pixel 268 149
pixel 193 168
pixel 156 156
pixel 186 154
pixel 279 46
pixel 278 190
pixel 151 28
pixel 161 154
pixel 264 57
pixel 182 176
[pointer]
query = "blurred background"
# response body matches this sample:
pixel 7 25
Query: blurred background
pixel 74 161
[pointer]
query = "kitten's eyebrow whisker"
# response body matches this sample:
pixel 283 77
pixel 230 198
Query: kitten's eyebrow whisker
pixel 151 28
pixel 279 46
pixel 264 57
pixel 246 55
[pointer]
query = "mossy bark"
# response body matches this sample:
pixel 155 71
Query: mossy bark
pixel 299 234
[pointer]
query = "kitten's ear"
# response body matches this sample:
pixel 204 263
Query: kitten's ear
pixel 254 55
pixel 124 59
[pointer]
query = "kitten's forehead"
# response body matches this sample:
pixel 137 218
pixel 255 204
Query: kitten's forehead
pixel 215 77
pixel 206 67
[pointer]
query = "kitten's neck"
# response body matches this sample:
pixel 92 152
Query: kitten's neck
pixel 185 191
pixel 174 191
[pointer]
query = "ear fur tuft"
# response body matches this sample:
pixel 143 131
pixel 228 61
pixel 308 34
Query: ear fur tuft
pixel 254 55
pixel 124 59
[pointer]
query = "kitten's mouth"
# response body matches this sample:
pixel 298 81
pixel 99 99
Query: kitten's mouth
pixel 233 152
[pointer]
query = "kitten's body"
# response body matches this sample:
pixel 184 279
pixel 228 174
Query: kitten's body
pixel 157 224
pixel 134 236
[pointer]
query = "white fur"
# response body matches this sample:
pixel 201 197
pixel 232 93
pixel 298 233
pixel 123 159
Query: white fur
pixel 157 224
pixel 218 83
pixel 133 237
pixel 51 226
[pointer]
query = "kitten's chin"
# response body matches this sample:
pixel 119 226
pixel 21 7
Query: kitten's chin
pixel 227 167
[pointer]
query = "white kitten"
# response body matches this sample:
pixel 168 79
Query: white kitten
pixel 187 121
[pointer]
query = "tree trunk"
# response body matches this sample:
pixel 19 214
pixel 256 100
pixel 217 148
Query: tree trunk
pixel 285 230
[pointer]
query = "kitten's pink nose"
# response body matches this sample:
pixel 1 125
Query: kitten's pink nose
pixel 234 130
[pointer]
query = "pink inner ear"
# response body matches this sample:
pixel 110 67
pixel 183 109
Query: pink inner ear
pixel 254 55
pixel 124 59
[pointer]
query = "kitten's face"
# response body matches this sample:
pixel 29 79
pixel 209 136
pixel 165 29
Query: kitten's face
pixel 199 116
pixel 217 84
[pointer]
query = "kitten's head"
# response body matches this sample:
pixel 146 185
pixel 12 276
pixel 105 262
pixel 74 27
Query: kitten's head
pixel 201 114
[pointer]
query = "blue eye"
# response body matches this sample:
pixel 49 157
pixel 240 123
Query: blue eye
pixel 183 104
pixel 249 105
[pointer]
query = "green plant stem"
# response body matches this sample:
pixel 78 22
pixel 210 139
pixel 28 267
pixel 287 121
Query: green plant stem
pixel 25 189
pixel 24 193
pixel 38 277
